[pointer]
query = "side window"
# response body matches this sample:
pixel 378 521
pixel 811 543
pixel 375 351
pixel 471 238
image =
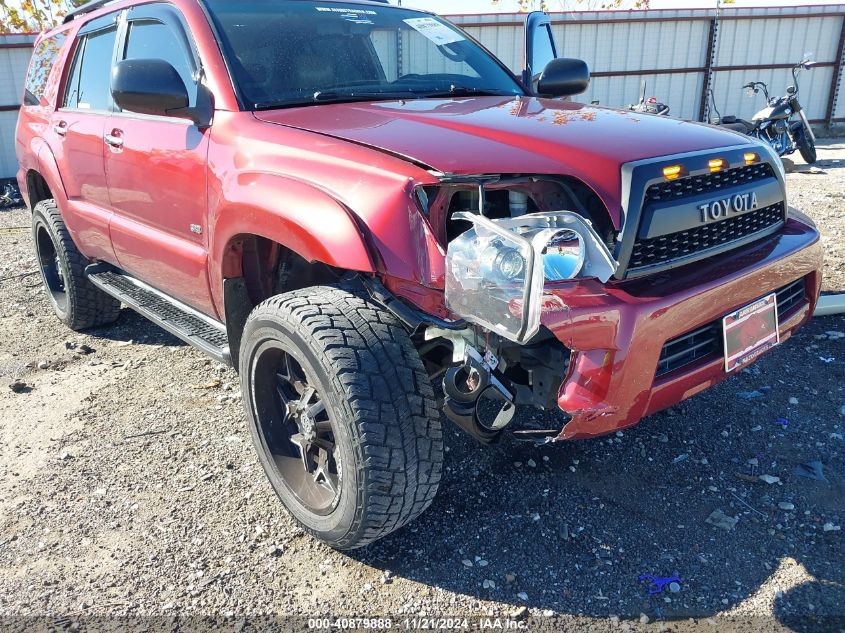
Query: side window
pixel 43 61
pixel 542 50
pixel 149 39
pixel 88 87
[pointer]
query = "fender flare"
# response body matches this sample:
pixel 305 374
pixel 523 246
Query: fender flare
pixel 295 214
pixel 48 168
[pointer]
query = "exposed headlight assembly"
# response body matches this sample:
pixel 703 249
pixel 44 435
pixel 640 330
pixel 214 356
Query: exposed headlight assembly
pixel 496 271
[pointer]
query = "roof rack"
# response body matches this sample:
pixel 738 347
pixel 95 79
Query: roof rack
pixel 88 7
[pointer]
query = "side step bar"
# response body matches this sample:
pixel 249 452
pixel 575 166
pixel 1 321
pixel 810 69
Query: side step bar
pixel 182 321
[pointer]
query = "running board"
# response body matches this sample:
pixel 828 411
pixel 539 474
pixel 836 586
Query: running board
pixel 182 321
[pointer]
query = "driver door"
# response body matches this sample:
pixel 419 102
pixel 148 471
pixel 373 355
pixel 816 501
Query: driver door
pixel 156 171
pixel 540 48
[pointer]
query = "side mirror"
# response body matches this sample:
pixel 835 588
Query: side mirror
pixel 152 86
pixel 564 77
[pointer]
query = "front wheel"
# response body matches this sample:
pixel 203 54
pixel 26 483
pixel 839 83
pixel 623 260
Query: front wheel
pixel 806 146
pixel 342 414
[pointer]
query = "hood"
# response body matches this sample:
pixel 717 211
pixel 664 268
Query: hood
pixel 522 135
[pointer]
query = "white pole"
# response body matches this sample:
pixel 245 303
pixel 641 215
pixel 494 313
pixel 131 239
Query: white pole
pixel 830 305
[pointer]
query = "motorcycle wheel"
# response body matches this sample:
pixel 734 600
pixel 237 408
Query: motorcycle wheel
pixel 806 146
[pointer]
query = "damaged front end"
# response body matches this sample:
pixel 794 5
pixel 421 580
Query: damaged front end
pixel 497 271
pixel 496 275
pixel 608 323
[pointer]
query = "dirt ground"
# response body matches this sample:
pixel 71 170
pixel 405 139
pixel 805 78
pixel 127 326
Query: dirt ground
pixel 129 487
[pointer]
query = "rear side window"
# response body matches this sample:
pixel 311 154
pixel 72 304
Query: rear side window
pixel 150 39
pixel 43 61
pixel 89 85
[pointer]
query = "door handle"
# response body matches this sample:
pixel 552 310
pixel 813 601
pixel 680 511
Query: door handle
pixel 60 128
pixel 115 138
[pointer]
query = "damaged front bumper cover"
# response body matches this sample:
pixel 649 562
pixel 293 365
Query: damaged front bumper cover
pixel 617 333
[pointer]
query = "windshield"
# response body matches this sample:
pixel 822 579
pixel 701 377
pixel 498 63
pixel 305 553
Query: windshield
pixel 294 53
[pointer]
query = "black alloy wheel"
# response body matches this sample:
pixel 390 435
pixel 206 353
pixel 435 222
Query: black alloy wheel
pixel 75 300
pixel 296 430
pixel 341 413
pixel 52 273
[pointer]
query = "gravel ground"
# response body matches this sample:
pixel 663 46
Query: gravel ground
pixel 129 487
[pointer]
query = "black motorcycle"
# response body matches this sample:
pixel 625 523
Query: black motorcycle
pixel 774 124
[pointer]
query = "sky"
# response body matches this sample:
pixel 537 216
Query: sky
pixel 451 7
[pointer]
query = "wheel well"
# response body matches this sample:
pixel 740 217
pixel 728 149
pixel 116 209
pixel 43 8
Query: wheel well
pixel 269 268
pixel 37 188
pixel 255 269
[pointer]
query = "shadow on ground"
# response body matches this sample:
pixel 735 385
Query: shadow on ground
pixel 132 327
pixel 573 529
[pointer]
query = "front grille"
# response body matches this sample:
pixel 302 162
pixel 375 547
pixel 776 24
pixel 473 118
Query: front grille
pixel 682 351
pixel 791 296
pixel 707 341
pixel 708 183
pixel 666 248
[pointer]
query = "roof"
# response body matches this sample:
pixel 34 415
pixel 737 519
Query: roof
pixel 94 5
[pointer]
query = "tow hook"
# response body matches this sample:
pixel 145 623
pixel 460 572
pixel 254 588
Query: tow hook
pixel 479 399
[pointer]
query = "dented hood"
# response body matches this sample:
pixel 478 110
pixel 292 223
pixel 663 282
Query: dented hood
pixel 492 135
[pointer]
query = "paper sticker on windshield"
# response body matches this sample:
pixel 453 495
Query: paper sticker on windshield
pixel 436 31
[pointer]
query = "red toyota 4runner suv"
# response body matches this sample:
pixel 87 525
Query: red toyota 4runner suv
pixel 351 202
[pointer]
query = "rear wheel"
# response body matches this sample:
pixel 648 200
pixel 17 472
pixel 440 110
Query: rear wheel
pixel 76 301
pixel 342 414
pixel 806 146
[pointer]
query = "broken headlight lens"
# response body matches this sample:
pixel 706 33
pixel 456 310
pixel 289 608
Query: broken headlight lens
pixel 496 271
pixel 486 271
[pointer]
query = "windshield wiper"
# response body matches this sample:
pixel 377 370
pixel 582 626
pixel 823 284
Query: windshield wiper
pixel 466 91
pixel 326 97
pixel 330 96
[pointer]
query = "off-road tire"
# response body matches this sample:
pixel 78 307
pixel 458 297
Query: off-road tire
pixel 806 147
pixel 378 397
pixel 84 305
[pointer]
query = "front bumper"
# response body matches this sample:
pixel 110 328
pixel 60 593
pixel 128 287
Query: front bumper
pixel 617 331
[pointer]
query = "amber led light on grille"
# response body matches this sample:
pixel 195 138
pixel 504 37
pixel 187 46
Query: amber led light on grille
pixel 750 158
pixel 673 172
pixel 717 164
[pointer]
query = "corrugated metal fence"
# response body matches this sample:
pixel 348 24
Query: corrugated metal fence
pixel 15 51
pixel 680 53
pixel 683 53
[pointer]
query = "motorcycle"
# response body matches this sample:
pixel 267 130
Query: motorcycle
pixel 775 124
pixel 650 105
pixel 644 106
pixel 10 196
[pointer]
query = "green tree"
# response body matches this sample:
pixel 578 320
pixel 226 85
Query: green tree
pixel 20 16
